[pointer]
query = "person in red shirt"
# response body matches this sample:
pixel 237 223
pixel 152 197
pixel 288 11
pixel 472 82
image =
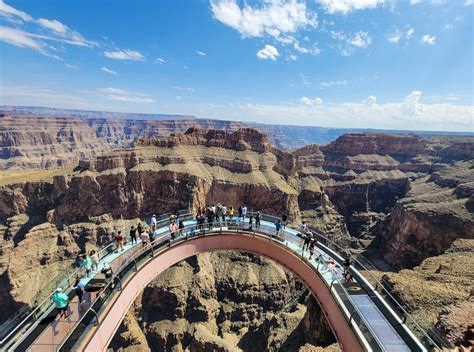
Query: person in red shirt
pixel 119 240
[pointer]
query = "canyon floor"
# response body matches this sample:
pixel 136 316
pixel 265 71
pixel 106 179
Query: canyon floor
pixel 404 201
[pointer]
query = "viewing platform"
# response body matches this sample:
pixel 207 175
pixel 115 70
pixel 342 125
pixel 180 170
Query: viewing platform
pixel 361 317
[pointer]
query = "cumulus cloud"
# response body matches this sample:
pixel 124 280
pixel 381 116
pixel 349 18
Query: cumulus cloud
pixel 410 32
pixel 346 6
pixel 370 100
pixel 268 52
pixel 125 55
pixel 309 101
pixel 202 53
pixel 292 58
pixel 428 39
pixel 411 104
pixel 273 18
pixel 361 39
pixel 108 70
pixel 123 95
pixel 394 37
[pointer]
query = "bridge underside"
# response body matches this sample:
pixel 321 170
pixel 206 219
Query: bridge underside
pixel 98 338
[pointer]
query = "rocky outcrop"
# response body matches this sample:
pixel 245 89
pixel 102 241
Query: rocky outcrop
pixel 430 218
pixel 438 292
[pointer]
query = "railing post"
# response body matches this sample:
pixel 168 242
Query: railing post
pixel 135 264
pixel 96 317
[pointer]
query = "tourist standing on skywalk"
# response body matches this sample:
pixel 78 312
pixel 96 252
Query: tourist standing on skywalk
pixel 173 228
pixel 61 302
pixel 79 288
pixel 119 241
pixel 86 263
pixel 278 227
pixel 284 219
pixel 95 260
pixel 244 212
pixel 231 214
pixel 257 220
pixel 153 222
pixel 133 234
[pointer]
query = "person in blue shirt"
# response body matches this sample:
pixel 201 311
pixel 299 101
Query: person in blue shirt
pixel 79 288
pixel 61 302
pixel 278 227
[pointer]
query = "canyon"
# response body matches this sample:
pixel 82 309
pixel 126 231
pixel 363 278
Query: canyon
pixel 404 201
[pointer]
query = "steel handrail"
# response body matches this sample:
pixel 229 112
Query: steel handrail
pixel 355 260
pixel 157 243
pixel 62 283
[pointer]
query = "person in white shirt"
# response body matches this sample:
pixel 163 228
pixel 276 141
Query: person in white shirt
pixel 224 212
pixel 244 212
pixel 303 227
pixel 153 222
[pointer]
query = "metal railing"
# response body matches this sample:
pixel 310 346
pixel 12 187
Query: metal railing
pixel 354 316
pixel 130 263
pixel 21 321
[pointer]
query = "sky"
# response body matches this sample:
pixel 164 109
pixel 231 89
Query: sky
pixel 335 63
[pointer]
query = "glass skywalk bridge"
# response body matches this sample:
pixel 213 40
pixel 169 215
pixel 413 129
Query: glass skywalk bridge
pixel 373 322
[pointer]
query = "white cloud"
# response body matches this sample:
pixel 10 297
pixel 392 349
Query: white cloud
pixel 160 61
pixel 410 114
pixel 468 2
pixel 118 94
pixel 448 26
pixel 74 67
pixel 53 25
pixel 187 89
pixel 21 39
pixel 394 37
pixel 410 32
pixel 414 2
pixel 268 52
pixel 304 80
pixel 345 6
pixel 273 18
pixel 411 104
pixel 330 84
pixel 108 70
pixel 309 101
pixel 202 53
pixel 125 55
pixel 428 39
pixel 313 51
pixel 361 39
pixel 370 100
pixel 292 58
pixel 9 12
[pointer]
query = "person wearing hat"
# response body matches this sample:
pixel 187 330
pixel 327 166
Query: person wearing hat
pixel 61 301
pixel 153 222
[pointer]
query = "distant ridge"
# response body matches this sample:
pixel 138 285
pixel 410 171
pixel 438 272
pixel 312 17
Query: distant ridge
pixel 39 111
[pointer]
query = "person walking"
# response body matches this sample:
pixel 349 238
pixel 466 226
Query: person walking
pixel 231 214
pixel 79 288
pixel 347 273
pixel 153 222
pixel 181 227
pixel 95 260
pixel 257 220
pixel 119 241
pixel 86 263
pixel 61 302
pixel 306 240
pixel 240 212
pixel 244 212
pixel 251 223
pixel 139 228
pixel 278 227
pixel 224 212
pixel 107 271
pixel 303 227
pixel 284 219
pixel 312 243
pixel 173 228
pixel 145 238
pixel 133 234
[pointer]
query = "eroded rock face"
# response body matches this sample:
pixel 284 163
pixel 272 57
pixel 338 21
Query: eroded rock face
pixel 225 301
pixel 430 218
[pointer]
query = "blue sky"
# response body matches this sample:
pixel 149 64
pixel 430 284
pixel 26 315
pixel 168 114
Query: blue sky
pixel 339 63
